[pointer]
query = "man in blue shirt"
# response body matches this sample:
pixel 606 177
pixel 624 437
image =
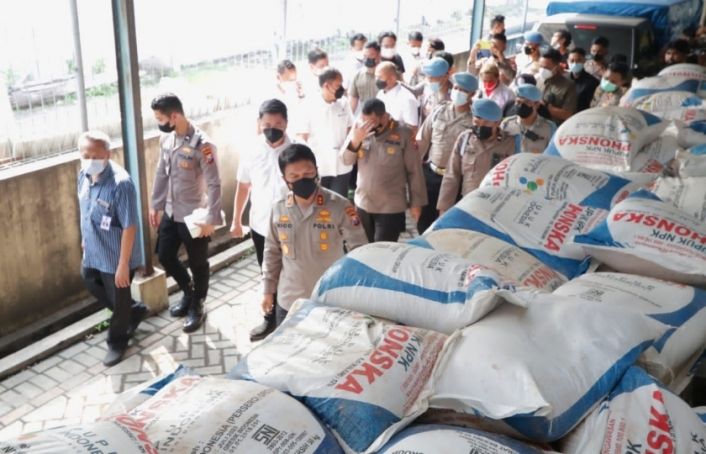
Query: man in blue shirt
pixel 108 204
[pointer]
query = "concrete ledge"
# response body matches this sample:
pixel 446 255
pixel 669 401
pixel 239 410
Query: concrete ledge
pixel 41 349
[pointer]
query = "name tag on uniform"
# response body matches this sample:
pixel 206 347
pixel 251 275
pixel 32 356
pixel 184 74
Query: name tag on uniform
pixel 105 222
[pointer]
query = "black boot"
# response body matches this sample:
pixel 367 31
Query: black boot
pixel 195 316
pixel 181 308
pixel 139 313
pixel 261 331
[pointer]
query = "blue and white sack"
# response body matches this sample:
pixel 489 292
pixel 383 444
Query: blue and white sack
pixel 413 285
pixel 360 375
pixel 644 235
pixel 541 227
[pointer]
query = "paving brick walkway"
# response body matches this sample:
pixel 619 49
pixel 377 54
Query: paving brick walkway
pixel 73 386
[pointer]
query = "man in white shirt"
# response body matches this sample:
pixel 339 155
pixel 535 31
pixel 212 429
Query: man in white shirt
pixel 353 62
pixel 287 88
pixel 399 101
pixel 260 181
pixel 318 60
pixel 325 122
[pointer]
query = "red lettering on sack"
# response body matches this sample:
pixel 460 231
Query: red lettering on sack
pixel 605 142
pixel 562 226
pixel 660 438
pixel 139 429
pixel 657 222
pixel 499 173
pixel 383 356
pixel 540 277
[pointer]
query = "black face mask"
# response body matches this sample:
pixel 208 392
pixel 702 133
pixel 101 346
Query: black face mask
pixel 598 57
pixel 304 187
pixel 483 132
pixel 369 63
pixel 273 134
pixel 523 110
pixel 166 127
pixel 528 50
pixel 381 84
pixel 339 92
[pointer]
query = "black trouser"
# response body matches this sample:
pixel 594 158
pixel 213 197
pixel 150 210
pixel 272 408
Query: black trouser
pixel 119 300
pixel 338 184
pixel 382 227
pixel 280 314
pixel 429 212
pixel 259 242
pixel 173 234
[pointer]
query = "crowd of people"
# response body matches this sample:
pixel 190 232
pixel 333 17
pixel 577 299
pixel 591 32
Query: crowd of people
pixel 342 154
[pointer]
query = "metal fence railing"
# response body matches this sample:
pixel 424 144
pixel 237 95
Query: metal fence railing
pixel 39 112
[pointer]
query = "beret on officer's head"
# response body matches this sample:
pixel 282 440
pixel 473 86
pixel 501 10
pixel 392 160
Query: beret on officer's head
pixel 467 81
pixel 528 91
pixel 487 110
pixel 534 37
pixel 436 67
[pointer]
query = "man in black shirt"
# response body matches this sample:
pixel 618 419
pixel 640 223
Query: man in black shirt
pixel 585 83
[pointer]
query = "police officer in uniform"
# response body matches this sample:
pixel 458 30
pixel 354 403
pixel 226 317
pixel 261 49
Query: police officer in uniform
pixel 475 152
pixel 389 168
pixel 187 178
pixel 437 136
pixel 307 231
pixel 531 131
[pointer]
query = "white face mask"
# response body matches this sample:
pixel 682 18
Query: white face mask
pixel 459 97
pixel 358 54
pixel 545 74
pixel 415 51
pixel 387 52
pixel 93 167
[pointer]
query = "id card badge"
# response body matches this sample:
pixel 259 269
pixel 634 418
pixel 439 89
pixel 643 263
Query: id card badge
pixel 105 222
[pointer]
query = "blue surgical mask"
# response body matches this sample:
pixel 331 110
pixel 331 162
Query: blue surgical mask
pixel 608 86
pixel 576 68
pixel 93 167
pixel 458 97
pixel 434 87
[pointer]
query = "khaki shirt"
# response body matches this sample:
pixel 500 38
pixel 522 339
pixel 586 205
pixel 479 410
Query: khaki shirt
pixel 560 92
pixel 187 176
pixel 470 161
pixel 389 168
pixel 363 86
pixel 439 132
pixel 542 128
pixel 430 101
pixel 605 99
pixel 301 245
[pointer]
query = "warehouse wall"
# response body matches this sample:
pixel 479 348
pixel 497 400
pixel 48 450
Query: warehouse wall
pixel 40 254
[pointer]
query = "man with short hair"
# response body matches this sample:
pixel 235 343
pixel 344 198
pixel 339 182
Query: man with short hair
pixel 389 171
pixel 363 85
pixel 399 101
pixel 532 132
pixel 561 40
pixel 437 136
pixel 318 61
pixel 585 83
pixel 558 92
pixel 109 218
pixel 325 122
pixel 676 52
pixel 259 181
pixel 308 228
pixel 388 50
pixel 598 62
pixel 497 56
pixel 353 62
pixel 186 179
pixel 475 152
pixel 613 86
pixel 287 88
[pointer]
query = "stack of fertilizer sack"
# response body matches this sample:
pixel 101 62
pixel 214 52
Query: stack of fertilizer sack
pixel 559 307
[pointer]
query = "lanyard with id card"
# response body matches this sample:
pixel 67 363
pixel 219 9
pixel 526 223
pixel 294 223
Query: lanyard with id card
pixel 106 220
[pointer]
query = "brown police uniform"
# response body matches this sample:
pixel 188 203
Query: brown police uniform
pixel 302 244
pixel 532 139
pixel 470 161
pixel 560 92
pixel 436 139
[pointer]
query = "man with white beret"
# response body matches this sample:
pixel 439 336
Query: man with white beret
pixel 437 136
pixel 475 152
pixel 531 131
